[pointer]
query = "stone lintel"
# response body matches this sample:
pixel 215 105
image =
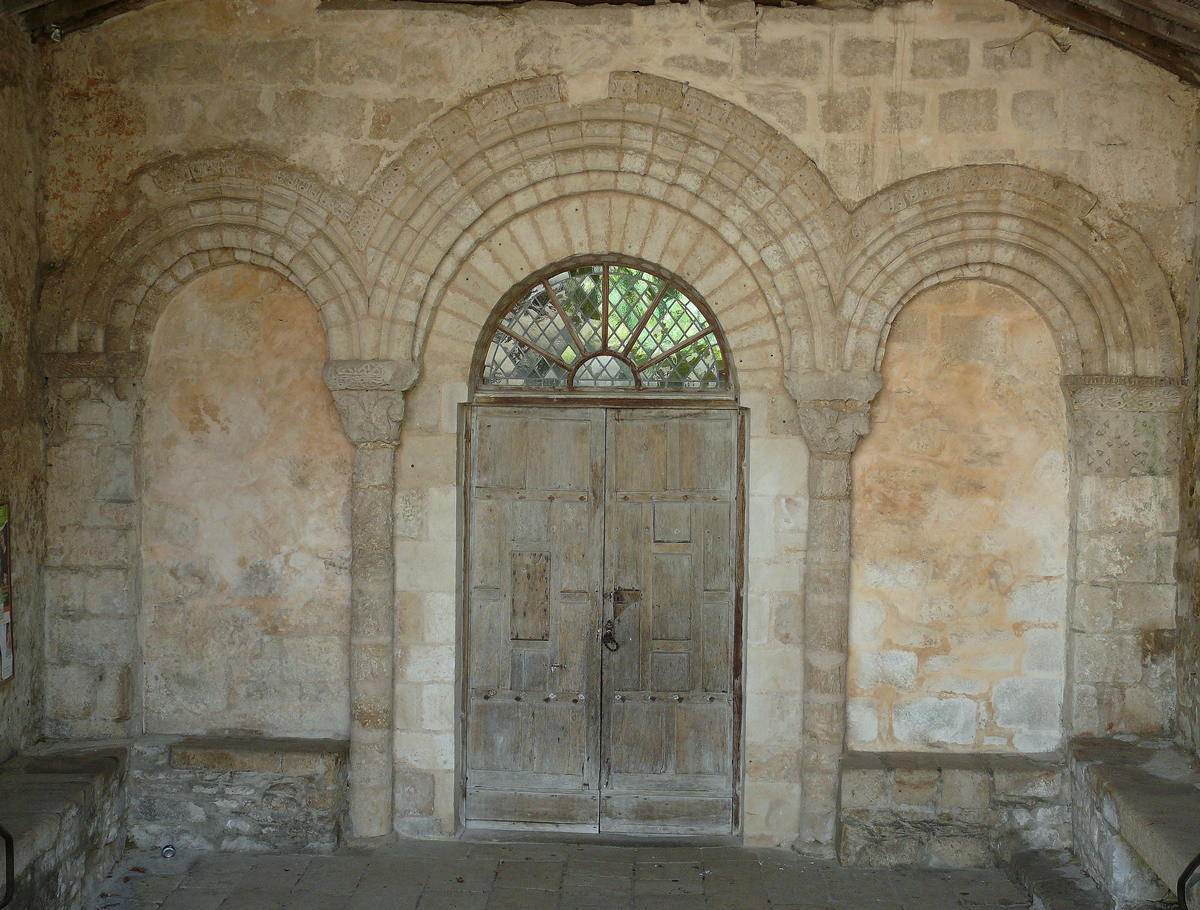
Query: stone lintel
pixel 212 753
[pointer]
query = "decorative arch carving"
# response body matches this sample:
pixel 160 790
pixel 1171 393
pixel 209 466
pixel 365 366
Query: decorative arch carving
pixel 622 226
pixel 508 151
pixel 1091 276
pixel 183 216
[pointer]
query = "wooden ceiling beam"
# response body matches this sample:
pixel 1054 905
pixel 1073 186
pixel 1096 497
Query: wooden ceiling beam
pixel 45 20
pixel 1182 60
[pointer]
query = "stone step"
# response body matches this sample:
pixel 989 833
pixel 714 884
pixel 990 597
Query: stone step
pixel 1056 881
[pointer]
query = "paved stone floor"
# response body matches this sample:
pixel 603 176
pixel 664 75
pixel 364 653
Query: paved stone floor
pixel 424 875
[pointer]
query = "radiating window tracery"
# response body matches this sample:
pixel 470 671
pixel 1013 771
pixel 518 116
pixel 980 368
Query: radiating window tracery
pixel 605 326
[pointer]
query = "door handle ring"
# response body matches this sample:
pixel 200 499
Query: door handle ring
pixel 609 638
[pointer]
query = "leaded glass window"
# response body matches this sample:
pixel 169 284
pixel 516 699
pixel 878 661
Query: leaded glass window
pixel 605 326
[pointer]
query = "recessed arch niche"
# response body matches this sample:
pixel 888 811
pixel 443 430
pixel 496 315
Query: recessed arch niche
pixel 959 579
pixel 245 515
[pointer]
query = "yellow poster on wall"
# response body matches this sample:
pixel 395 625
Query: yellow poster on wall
pixel 6 616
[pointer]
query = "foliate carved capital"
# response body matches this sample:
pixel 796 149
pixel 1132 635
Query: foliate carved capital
pixel 370 415
pixel 834 427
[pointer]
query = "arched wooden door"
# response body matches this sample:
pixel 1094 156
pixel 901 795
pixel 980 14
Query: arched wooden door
pixel 602 621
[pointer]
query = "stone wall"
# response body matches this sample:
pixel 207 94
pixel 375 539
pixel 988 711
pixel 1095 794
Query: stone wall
pixel 1187 600
pixel 949 811
pixel 959 598
pixel 343 91
pixel 21 455
pixel 407 170
pixel 254 795
pixel 245 473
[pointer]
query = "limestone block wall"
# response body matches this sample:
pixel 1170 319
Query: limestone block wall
pixel 250 795
pixel 1121 647
pixel 1187 601
pixel 406 170
pixel 91 571
pixel 22 470
pixel 245 481
pixel 342 92
pixel 959 600
pixel 949 811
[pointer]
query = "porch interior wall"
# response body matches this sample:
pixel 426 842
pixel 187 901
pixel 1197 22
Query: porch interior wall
pixel 245 478
pixel 343 93
pixel 959 587
pixel 1187 602
pixel 22 453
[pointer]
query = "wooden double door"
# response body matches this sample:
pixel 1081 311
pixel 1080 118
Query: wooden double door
pixel 601 690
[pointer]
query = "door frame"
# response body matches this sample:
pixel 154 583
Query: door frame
pixel 462 643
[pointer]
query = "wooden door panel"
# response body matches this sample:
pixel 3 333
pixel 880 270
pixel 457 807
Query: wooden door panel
pixel 669 728
pixel 534 550
pixel 540 808
pixel 635 813
pixel 576 516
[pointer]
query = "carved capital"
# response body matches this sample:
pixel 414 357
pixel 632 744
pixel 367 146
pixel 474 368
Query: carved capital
pixel 834 427
pixel 370 415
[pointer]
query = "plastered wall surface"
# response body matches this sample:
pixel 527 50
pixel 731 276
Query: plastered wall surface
pixel 22 466
pixel 959 601
pixel 245 537
pixel 387 162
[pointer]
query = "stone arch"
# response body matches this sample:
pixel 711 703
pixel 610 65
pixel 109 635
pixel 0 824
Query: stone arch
pixel 1092 277
pixel 184 216
pixel 685 244
pixel 514 147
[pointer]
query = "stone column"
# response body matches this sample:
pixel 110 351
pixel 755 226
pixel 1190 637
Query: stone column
pixel 1125 452
pixel 832 430
pixel 369 395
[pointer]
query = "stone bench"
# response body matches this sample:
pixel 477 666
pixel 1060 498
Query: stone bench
pixel 1136 810
pixel 66 811
pixel 238 793
pixel 947 810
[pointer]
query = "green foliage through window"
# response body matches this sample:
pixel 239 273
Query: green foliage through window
pixel 605 326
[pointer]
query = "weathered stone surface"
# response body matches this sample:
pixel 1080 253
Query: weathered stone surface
pixel 513 174
pixel 967 111
pixel 66 810
pixel 947 810
pixel 245 794
pixel 246 455
pixel 981 634
pixel 939 58
pixel 1134 805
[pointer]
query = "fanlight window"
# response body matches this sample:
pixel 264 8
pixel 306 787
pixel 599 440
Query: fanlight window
pixel 605 326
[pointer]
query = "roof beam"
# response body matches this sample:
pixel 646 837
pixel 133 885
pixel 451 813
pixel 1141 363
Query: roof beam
pixel 1170 45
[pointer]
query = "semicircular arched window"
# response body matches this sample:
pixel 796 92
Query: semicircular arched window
pixel 605 326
